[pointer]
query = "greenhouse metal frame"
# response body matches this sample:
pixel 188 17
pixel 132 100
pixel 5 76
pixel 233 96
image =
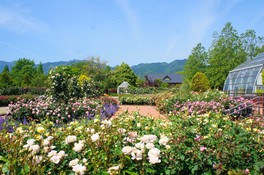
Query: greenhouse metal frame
pixel 246 78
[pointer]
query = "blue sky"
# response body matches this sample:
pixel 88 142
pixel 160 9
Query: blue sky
pixel 130 31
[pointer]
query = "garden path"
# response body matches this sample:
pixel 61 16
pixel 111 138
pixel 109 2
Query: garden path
pixel 144 110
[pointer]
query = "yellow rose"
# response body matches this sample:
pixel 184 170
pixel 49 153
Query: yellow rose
pixel 19 130
pixel 38 137
pixel 40 129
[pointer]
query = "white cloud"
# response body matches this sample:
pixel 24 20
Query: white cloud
pixel 16 20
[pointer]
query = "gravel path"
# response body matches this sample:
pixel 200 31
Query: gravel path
pixel 145 110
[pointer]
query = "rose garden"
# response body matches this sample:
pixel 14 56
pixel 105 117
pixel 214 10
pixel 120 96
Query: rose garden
pixel 70 130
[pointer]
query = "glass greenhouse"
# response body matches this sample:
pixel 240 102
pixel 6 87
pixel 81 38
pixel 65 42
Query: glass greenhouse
pixel 246 78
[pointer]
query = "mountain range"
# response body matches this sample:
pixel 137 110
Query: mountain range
pixel 141 69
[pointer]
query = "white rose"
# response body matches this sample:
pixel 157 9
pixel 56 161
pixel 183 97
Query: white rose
pixel 70 139
pixel 78 147
pixel 154 160
pixel 46 142
pixel 136 154
pixel 84 160
pixel 140 145
pixel 79 169
pixel 55 159
pixel 150 145
pixel 52 153
pixel 113 168
pixel 164 140
pixel 95 137
pixel 73 162
pixel 34 149
pixel 127 150
pixel 148 138
pixel 61 154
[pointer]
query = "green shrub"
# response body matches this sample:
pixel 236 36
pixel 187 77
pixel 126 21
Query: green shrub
pixel 21 91
pixel 200 82
pixel 5 100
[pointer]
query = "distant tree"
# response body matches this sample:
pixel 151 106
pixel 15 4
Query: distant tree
pixel 251 43
pixel 6 69
pixel 5 78
pixel 40 79
pixel 123 73
pixel 140 82
pixel 23 72
pixel 40 69
pixel 200 82
pixel 225 54
pixel 196 62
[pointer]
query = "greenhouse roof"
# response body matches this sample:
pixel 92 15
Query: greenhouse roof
pixel 257 61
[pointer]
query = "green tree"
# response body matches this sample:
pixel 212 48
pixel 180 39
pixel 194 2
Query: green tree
pixel 200 82
pixel 196 62
pixel 40 69
pixel 123 73
pixel 251 43
pixel 5 78
pixel 23 72
pixel 225 54
pixel 6 69
pixel 40 79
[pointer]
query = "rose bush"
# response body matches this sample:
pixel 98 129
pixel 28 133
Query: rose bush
pixel 132 144
pixel 44 107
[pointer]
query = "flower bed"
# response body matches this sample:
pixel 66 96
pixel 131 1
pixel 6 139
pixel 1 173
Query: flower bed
pixel 132 144
pixel 43 107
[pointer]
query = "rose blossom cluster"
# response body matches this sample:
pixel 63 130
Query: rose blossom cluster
pixel 79 169
pixel 146 143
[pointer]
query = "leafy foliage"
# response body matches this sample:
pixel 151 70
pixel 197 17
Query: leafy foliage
pixel 200 82
pixel 133 144
pixel 225 54
pixel 196 62
pixel 123 73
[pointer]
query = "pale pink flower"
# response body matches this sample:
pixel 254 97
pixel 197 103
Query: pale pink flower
pixel 203 148
pixel 148 138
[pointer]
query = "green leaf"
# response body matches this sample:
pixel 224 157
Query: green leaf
pixel 26 169
pixel 127 172
pixel 182 157
pixel 3 159
pixel 6 168
pixel 195 168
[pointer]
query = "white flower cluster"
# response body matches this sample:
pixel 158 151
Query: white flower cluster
pixel 113 169
pixel 106 124
pixel 55 156
pixel 34 148
pixel 46 142
pixel 78 146
pixel 146 141
pixel 79 169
